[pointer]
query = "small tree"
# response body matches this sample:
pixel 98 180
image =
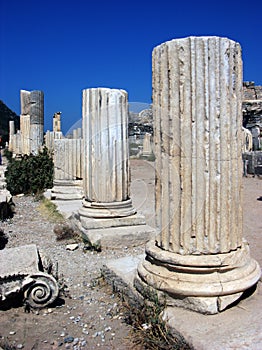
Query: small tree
pixel 32 174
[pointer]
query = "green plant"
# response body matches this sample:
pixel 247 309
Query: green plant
pixel 31 174
pixel 8 154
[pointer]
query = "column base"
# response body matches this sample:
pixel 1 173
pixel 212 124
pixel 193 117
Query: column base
pixel 203 283
pixel 94 215
pixel 67 190
pixel 104 210
pixel 110 226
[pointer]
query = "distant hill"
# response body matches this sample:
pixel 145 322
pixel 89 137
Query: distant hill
pixel 6 114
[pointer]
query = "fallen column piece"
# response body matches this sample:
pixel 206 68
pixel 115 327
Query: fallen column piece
pixel 22 270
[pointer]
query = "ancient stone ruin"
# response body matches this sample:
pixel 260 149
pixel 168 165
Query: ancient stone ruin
pixel 20 273
pixel 199 260
pixel 68 168
pixel 252 105
pixel 106 174
pixel 252 121
pixel 30 137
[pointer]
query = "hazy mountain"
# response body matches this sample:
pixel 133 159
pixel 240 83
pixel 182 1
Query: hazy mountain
pixel 6 114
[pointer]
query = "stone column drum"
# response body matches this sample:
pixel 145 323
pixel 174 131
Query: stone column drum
pixel 25 129
pixel 32 106
pixel 106 165
pixel 199 260
pixel 11 135
pixel 67 169
pixel 147 148
pixel 37 120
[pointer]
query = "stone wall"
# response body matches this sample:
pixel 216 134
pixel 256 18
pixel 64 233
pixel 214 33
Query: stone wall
pixel 251 91
pixel 252 105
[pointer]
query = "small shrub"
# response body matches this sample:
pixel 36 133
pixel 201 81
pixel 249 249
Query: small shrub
pixel 31 174
pixel 64 231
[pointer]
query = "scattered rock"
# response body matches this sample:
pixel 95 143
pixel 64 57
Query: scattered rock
pixel 69 339
pixel 72 247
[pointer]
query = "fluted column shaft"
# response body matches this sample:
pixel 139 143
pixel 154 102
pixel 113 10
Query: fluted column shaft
pixel 11 135
pixel 199 253
pixel 105 139
pixel 25 132
pixel 197 84
pixel 105 144
pixel 68 159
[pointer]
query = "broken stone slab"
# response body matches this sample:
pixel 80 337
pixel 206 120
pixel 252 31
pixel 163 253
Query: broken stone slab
pixel 90 223
pixel 118 237
pixel 120 274
pixel 23 270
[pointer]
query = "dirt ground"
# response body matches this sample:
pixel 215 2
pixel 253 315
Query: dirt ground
pixel 91 316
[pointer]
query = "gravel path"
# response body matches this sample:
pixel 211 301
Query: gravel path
pixel 91 316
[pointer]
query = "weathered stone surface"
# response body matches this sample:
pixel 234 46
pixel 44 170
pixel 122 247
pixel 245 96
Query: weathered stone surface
pixel 254 161
pixel 11 135
pixel 68 158
pixel 147 147
pixel 32 106
pixel 20 272
pixel 197 98
pixel 120 274
pixel 25 129
pixel 19 260
pixel 50 137
pixel 119 236
pixel 105 145
pixel 30 137
pixel 57 122
pixel 68 168
pixel 106 222
pixel 67 190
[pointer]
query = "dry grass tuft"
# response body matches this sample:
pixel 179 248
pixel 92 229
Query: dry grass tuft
pixel 49 210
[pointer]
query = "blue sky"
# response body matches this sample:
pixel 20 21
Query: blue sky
pixel 62 47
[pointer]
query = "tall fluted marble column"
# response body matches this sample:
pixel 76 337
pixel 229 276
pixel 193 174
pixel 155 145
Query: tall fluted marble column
pixel 11 135
pixel 199 260
pixel 106 165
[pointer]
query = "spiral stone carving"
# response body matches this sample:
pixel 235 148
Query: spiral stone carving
pixel 43 291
